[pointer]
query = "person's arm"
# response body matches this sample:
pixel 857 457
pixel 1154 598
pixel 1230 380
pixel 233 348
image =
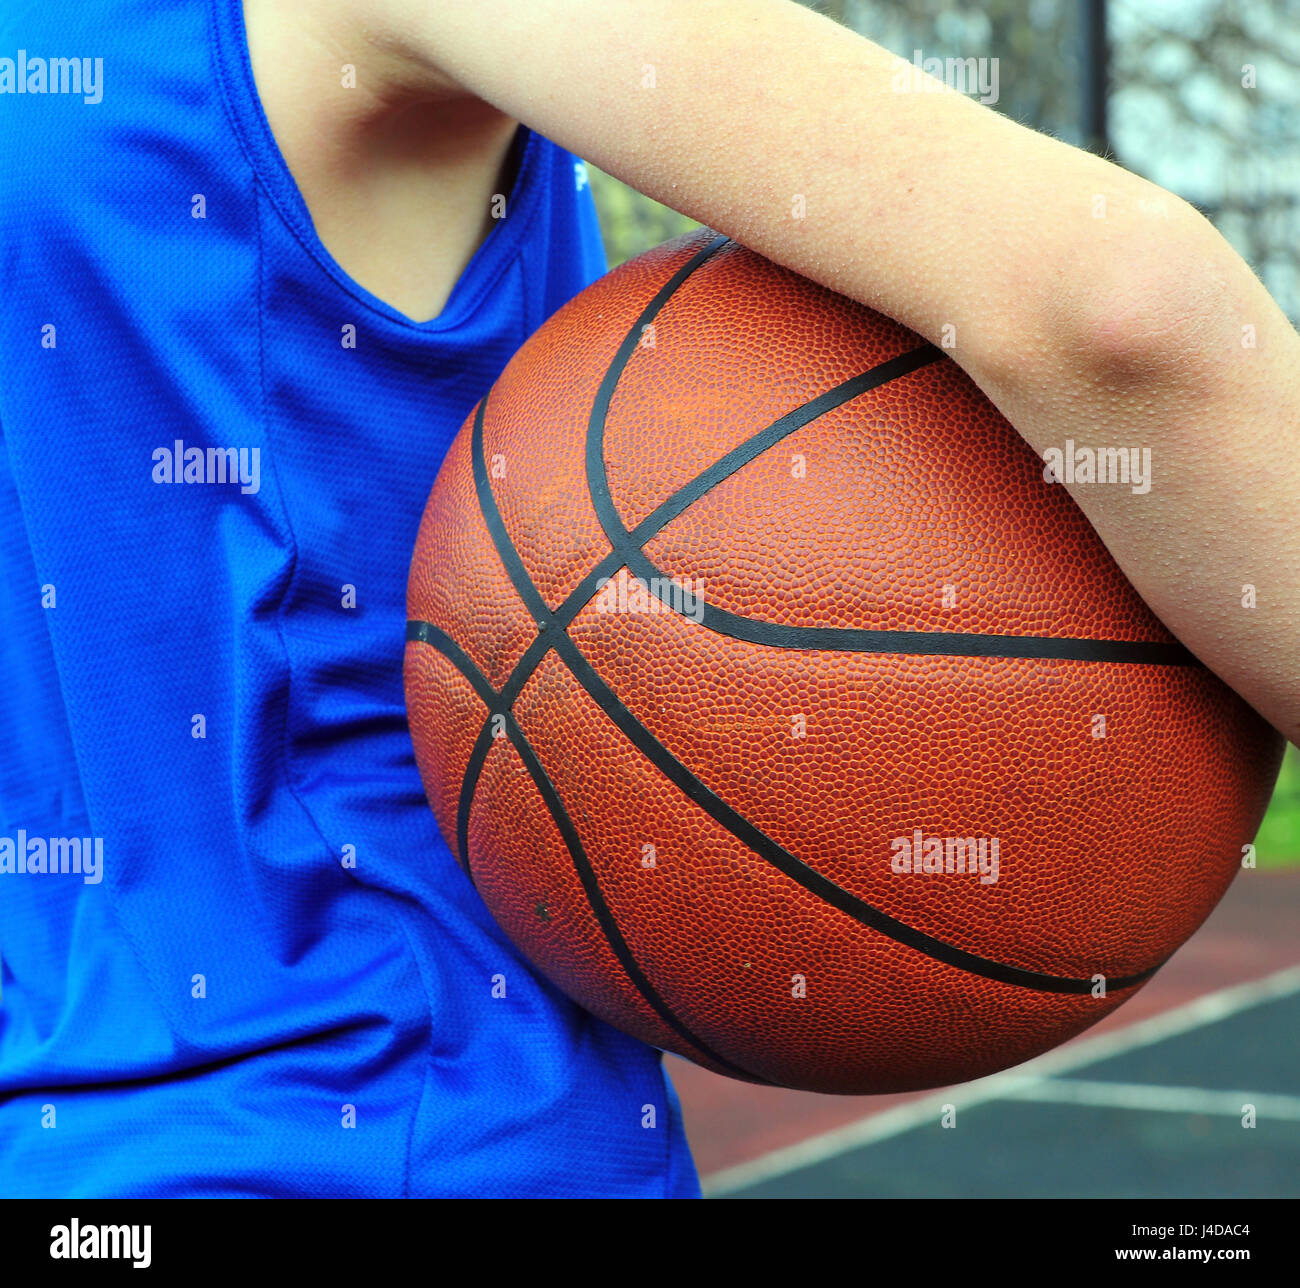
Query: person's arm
pixel 1087 303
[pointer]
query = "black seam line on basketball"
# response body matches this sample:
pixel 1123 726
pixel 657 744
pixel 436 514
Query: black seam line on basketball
pixel 726 465
pixel 926 643
pixel 426 633
pixel 518 574
pixel 468 787
pixel 629 543
pixel 506 551
pixel 809 878
pixel 502 702
pixel 420 632
pixel 739 456
pixel 736 824
pixel 663 514
pixel 765 847
pixel 542 614
pixel 596 899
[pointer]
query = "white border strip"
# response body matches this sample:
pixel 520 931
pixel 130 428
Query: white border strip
pixel 1011 1083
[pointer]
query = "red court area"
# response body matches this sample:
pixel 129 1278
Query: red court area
pixel 1250 935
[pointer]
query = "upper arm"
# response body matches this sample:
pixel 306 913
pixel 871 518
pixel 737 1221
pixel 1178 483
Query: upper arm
pixel 803 140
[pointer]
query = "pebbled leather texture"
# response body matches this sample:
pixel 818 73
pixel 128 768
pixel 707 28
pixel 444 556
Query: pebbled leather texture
pixel 696 833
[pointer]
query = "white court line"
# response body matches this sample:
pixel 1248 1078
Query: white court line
pixel 1209 1009
pixel 1173 1100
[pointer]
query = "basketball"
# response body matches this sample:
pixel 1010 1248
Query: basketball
pixel 783 707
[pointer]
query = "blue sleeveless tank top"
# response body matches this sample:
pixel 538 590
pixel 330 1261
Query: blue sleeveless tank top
pixel 238 958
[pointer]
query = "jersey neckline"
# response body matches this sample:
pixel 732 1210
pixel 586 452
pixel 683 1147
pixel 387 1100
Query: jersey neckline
pixel 244 107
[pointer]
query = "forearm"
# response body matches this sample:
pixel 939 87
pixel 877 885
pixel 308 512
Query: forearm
pixel 1088 304
pixel 1214 544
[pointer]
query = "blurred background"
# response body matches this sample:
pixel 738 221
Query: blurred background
pixel 1203 98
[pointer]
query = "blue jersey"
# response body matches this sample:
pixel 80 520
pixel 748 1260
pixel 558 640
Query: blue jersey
pixel 238 958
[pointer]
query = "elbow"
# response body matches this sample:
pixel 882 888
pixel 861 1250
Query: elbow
pixel 1163 305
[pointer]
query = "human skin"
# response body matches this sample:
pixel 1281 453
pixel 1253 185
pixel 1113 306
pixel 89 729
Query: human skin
pixel 1087 303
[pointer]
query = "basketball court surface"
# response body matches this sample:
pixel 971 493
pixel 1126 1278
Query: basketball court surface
pixel 1147 1104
